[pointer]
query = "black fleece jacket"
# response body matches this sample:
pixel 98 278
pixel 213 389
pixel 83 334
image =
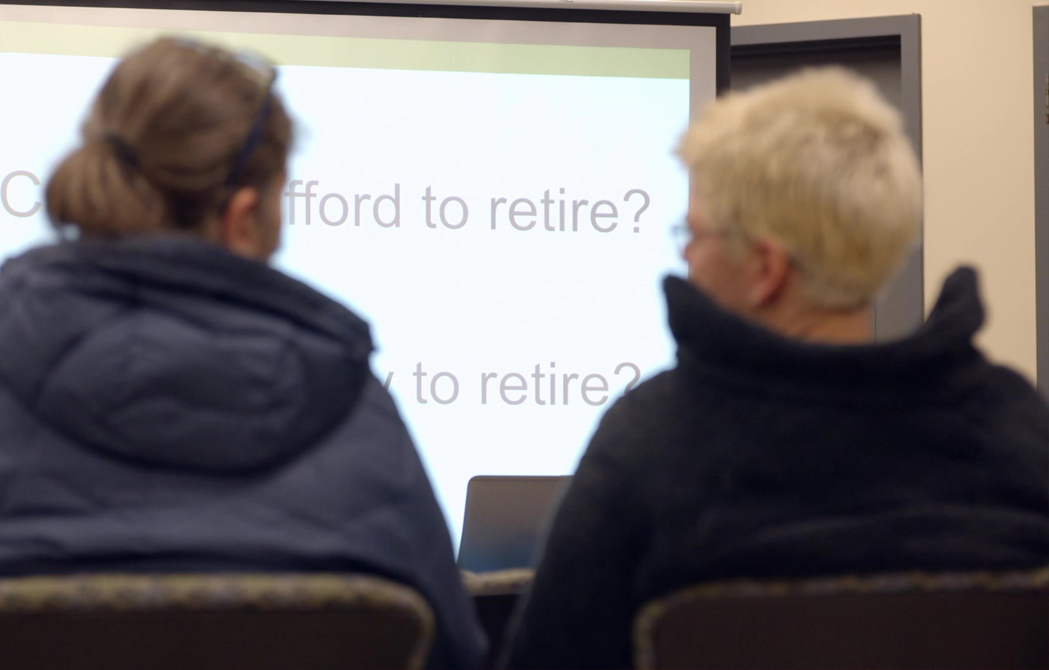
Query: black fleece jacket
pixel 761 456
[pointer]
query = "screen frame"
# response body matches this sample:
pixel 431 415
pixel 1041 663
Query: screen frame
pixel 688 17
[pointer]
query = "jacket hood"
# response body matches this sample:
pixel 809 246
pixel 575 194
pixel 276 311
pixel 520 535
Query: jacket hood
pixel 709 337
pixel 173 352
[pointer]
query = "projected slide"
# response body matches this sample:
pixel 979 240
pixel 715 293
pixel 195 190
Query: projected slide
pixel 494 197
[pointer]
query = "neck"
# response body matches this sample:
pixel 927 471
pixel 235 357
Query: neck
pixel 823 326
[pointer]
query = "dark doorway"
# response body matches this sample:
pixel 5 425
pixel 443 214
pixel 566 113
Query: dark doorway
pixel 886 50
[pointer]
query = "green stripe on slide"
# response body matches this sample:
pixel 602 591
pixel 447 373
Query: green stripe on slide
pixel 386 54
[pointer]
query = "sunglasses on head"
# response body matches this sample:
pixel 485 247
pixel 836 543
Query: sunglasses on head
pixel 257 68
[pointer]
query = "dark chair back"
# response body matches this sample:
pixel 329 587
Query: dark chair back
pixel 972 621
pixel 495 595
pixel 205 622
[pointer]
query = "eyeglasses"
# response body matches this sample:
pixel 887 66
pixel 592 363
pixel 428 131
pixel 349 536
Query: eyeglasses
pixel 252 142
pixel 683 235
pixel 259 66
pixel 254 67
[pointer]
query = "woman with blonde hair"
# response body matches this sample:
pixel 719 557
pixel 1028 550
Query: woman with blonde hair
pixel 786 443
pixel 170 402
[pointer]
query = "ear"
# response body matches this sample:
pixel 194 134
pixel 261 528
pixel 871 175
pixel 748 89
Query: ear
pixel 239 228
pixel 770 272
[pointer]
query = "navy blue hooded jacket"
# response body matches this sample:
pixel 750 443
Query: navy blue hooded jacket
pixel 167 406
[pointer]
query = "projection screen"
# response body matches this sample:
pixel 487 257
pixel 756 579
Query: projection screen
pixel 490 187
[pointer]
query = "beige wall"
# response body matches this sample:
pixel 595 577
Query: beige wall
pixel 978 148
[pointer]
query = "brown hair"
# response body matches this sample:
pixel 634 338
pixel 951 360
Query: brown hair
pixel 163 140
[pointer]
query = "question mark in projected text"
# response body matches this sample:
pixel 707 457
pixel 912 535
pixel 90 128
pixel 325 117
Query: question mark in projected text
pixel 637 216
pixel 637 375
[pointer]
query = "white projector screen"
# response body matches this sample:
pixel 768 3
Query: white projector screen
pixel 491 188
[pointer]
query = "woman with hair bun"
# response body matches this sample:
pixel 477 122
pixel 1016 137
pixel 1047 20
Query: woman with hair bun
pixel 169 402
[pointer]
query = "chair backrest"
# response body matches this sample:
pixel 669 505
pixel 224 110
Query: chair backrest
pixel 205 622
pixel 971 621
pixel 495 596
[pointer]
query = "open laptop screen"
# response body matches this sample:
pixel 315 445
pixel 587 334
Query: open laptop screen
pixel 505 519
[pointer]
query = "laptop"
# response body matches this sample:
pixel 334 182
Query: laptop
pixel 504 520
